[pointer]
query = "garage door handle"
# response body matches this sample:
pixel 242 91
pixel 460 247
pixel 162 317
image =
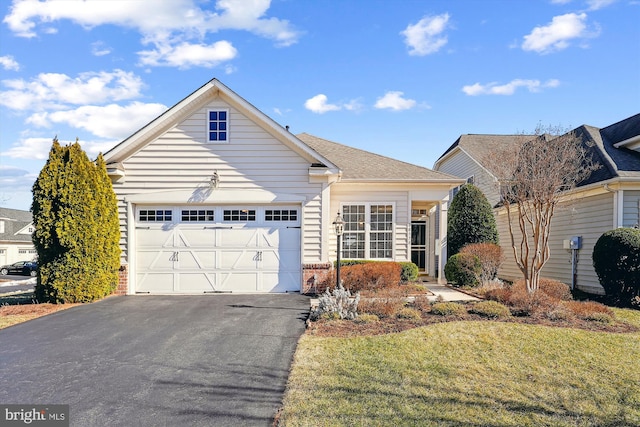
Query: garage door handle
pixel 174 257
pixel 258 256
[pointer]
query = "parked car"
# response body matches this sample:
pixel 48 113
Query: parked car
pixel 28 268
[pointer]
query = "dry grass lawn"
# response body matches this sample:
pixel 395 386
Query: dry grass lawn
pixel 18 308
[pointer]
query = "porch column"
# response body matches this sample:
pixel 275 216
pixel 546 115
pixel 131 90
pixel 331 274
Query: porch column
pixel 442 249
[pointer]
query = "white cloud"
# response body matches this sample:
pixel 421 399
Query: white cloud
pixel 318 104
pixel 393 100
pixel 110 121
pixel 599 4
pixel 30 148
pixel 176 28
pixel 36 148
pixel 426 36
pixel 8 63
pixel 558 33
pixel 187 55
pixel 15 180
pixel 509 88
pixel 100 49
pixel 54 90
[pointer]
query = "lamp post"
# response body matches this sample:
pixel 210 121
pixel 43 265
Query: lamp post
pixel 338 226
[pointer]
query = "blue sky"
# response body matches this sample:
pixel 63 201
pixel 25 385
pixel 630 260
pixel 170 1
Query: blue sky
pixel 399 78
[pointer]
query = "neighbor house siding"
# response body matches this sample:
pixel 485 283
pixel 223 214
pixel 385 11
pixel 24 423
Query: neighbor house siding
pixel 252 159
pixel 587 217
pixel 460 164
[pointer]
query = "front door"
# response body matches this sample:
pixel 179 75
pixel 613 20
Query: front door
pixel 419 245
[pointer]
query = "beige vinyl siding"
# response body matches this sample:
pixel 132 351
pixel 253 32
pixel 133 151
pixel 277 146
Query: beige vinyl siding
pixel 588 217
pixel 346 195
pixel 631 209
pixel 252 159
pixel 460 164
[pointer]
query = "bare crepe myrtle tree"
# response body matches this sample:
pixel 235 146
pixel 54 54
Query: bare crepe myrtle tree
pixel 534 174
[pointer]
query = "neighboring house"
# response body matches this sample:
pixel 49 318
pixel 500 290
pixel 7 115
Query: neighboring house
pixel 609 198
pixel 16 227
pixel 215 196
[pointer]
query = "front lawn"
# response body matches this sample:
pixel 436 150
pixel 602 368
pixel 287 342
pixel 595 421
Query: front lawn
pixel 468 373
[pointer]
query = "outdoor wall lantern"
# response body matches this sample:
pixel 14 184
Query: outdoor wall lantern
pixel 338 226
pixel 214 181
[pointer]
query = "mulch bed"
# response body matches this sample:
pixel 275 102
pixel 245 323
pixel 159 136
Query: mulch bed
pixel 348 328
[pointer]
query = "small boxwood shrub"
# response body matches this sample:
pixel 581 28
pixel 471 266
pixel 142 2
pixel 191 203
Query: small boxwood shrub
pixel 491 309
pixel 555 289
pixel 409 313
pixel 616 259
pixel 463 270
pixel 381 307
pixel 370 276
pixel 599 317
pixel 448 309
pixel 523 303
pixel 500 295
pixel 587 309
pixel 409 272
pixel 491 258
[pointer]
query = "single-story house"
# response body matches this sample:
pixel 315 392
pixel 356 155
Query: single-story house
pixel 215 196
pixel 16 227
pixel 608 199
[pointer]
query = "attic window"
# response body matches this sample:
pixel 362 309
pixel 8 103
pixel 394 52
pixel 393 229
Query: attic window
pixel 217 126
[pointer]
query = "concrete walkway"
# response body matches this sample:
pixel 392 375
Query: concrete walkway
pixel 447 293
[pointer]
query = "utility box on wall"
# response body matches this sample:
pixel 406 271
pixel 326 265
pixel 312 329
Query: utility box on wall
pixel 573 243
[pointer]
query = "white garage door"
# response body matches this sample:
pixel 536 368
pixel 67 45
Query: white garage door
pixel 217 249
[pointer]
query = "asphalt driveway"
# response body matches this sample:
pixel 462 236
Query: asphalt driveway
pixel 218 360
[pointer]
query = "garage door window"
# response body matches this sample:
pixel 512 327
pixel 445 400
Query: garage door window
pixel 239 215
pixel 280 215
pixel 154 215
pixel 198 215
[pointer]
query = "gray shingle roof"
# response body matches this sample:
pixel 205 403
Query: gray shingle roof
pixel 362 165
pixel 616 162
pixel 14 221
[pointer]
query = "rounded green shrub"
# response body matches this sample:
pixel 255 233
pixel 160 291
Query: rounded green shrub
pixel 409 272
pixel 491 309
pixel 463 269
pixel 448 309
pixel 616 259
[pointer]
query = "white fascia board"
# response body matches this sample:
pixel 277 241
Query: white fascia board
pixel 206 195
pixel 632 143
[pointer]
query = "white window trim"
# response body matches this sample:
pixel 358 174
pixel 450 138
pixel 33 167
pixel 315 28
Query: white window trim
pixel 228 126
pixel 367 228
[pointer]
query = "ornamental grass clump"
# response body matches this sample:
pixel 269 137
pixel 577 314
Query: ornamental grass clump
pixel 491 309
pixel 408 313
pixel 448 309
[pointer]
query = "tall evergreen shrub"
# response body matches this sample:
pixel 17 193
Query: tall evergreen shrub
pixel 77 231
pixel 470 220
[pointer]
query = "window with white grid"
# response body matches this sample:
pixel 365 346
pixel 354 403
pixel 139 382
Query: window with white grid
pixel 368 231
